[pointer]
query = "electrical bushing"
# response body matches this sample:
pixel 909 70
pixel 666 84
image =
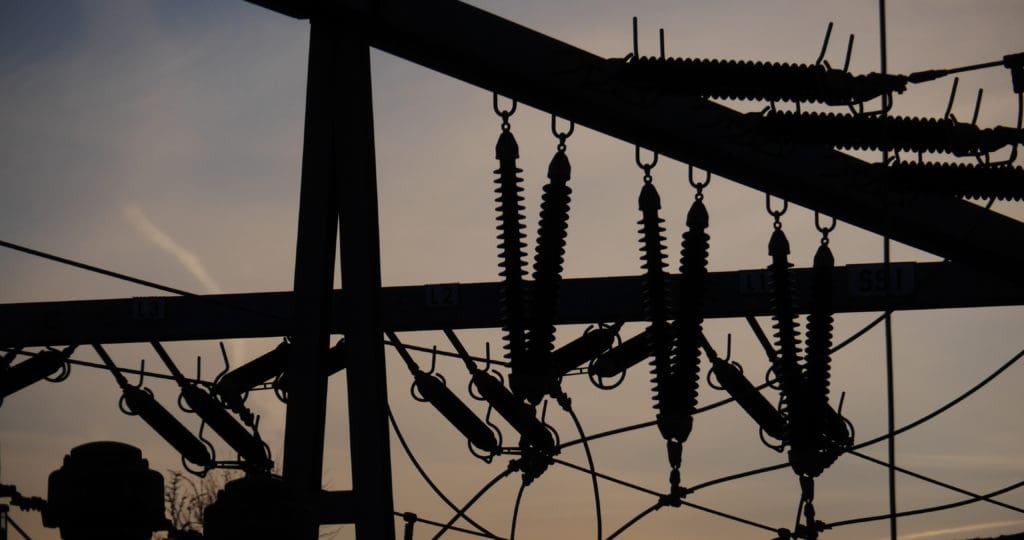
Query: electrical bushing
pixel 253 507
pixel 105 490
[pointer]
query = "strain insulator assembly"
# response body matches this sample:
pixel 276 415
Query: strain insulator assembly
pixel 731 79
pixel 47 364
pixel 958 180
pixel 140 401
pixel 583 349
pixel 234 385
pixel 895 133
pixel 337 360
pixel 618 359
pixel 760 410
pixel 535 435
pixel 456 412
pixel 526 375
pixel 249 446
pixel 518 414
pixel 433 390
pixel 547 273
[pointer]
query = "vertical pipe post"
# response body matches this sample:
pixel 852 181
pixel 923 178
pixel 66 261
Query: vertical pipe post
pixel 886 256
pixel 314 277
pixel 361 281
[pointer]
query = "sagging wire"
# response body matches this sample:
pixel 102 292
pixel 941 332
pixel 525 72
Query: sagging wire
pixel 927 510
pixel 593 471
pixel 131 279
pixel 512 467
pixel 607 477
pixel 426 477
pixel 663 500
pixel 411 518
pixel 939 483
pixel 907 427
pixel 515 511
pixel 662 503
pixel 635 519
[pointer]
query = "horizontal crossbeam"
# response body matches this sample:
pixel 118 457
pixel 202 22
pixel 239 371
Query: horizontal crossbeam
pixel 857 288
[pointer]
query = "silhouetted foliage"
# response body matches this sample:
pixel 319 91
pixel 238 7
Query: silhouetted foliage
pixel 186 496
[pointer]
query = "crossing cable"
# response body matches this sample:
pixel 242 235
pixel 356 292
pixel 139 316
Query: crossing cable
pixel 428 480
pixel 461 512
pixel 131 279
pixel 515 511
pixel 926 510
pixel 607 477
pixel 17 528
pixel 662 502
pixel 654 507
pixel 593 471
pixel 937 482
pixel 880 438
pixel 413 518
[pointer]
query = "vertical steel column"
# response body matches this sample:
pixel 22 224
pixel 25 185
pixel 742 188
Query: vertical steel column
pixel 360 278
pixel 314 277
pixel 890 388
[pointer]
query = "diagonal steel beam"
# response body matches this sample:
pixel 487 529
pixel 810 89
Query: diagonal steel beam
pixel 858 288
pixel 490 52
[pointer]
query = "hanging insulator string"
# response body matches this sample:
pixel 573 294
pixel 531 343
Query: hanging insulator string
pixel 829 429
pixel 510 248
pixel 786 369
pixel 685 366
pixel 652 252
pixel 547 270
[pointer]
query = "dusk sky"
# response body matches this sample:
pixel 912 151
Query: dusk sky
pixel 162 139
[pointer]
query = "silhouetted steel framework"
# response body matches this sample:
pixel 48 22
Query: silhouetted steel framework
pixel 657 103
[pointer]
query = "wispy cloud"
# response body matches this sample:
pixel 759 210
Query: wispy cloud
pixel 935 533
pixel 162 240
pixel 188 260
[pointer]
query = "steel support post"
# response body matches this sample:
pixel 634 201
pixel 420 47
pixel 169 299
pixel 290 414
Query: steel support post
pixel 314 276
pixel 360 279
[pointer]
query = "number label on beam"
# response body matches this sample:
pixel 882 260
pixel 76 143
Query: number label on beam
pixel 754 282
pixel 147 308
pixel 873 280
pixel 445 295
